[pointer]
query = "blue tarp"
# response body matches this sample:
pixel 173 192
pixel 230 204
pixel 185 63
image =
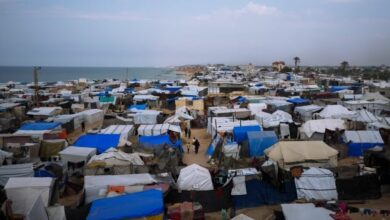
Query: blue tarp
pixel 357 149
pixel 240 135
pixel 298 100
pixel 99 141
pixel 39 126
pixel 338 88
pixel 262 193
pixel 173 88
pixel 259 141
pixel 138 106
pixel 159 141
pixel 135 205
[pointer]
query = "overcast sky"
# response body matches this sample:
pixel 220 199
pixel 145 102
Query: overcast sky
pixel 177 32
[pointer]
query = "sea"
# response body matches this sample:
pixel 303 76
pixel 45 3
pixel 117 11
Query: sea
pixel 54 74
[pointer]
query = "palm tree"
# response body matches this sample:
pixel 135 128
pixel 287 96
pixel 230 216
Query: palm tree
pixel 297 60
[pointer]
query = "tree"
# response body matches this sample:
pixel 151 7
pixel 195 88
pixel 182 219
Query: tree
pixel 286 69
pixel 344 65
pixel 297 60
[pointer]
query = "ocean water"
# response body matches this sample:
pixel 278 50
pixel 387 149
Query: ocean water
pixel 54 74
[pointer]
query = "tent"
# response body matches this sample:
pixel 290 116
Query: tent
pixel 366 116
pixel 316 183
pixel 145 116
pixel 37 129
pixel 194 177
pixel 125 131
pixel 256 107
pixel 138 107
pixel 24 191
pixel 157 129
pixel 157 142
pixel 313 153
pixel 77 154
pixel 15 170
pixel 240 133
pixel 306 112
pixel 231 149
pixel 259 141
pixel 359 141
pixel 298 101
pixel 94 185
pixel 336 111
pixel 319 126
pixel 99 141
pixel 276 118
pixel 114 156
pixel 139 205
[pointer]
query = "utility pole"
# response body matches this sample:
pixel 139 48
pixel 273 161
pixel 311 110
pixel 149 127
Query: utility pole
pixel 36 86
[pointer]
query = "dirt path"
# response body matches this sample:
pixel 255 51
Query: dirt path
pixel 200 158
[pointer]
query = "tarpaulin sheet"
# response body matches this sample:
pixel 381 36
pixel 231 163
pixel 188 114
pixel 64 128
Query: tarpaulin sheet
pixel 338 88
pixel 173 88
pixel 38 126
pixel 240 132
pixel 139 107
pixel 99 141
pixel 135 205
pixel 259 141
pixel 357 149
pixel 159 141
pixel 262 193
pixel 297 100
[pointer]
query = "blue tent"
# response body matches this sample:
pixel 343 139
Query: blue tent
pixel 338 88
pixel 39 126
pixel 138 107
pixel 239 133
pixel 99 141
pixel 159 141
pixel 259 141
pixel 297 100
pixel 135 205
pixel 173 88
pixel 357 149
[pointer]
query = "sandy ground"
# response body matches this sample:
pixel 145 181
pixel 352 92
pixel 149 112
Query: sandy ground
pixel 200 158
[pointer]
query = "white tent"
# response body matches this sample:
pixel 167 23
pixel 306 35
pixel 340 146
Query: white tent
pixel 318 126
pixel 145 117
pixel 157 129
pixel 306 112
pixel 336 111
pixel 77 154
pixel 24 191
pixel 316 183
pixel 256 107
pixel 15 170
pixel 231 150
pixel 125 131
pixel 114 156
pixel 366 116
pixel 276 118
pixel 194 177
pixel 373 137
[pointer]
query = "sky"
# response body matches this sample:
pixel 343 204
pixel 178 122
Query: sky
pixel 178 32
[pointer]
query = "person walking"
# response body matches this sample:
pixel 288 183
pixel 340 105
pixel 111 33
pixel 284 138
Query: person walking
pixel 196 143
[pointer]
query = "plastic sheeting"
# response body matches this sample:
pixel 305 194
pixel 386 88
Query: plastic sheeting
pixel 276 118
pixel 94 184
pixel 99 141
pixel 159 142
pixel 359 141
pixel 194 177
pixel 319 126
pixel 336 111
pixel 38 126
pixel 240 133
pixel 131 206
pixel 316 183
pixel 259 141
pixel 111 155
pixel 157 129
pixel 298 100
pixel 16 170
pixel 305 212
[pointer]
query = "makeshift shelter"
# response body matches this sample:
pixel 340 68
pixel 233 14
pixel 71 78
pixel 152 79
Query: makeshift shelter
pixel 146 205
pixel 114 156
pixel 38 129
pixel 92 118
pixel 306 153
pixel 44 112
pixel 77 154
pixel 125 131
pixel 15 170
pixel 306 112
pixel 195 177
pixel 51 147
pixel 365 116
pixel 138 107
pixel 158 142
pixel 359 141
pixel 336 111
pixel 256 107
pixel 145 116
pixel 240 133
pixel 25 191
pixel 258 141
pixel 276 118
pixel 99 141
pixel 93 185
pixel 157 129
pixel 315 129
pixel 298 101
pixel 316 183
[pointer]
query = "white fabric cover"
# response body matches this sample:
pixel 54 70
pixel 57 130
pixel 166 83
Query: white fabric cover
pixel 145 98
pixel 94 184
pixel 363 137
pixel 336 111
pixel 305 212
pixel 15 170
pixel 194 177
pixel 146 117
pixel 77 154
pixel 157 129
pixel 37 210
pixel 256 107
pixel 24 191
pixel 114 156
pixel 231 150
pixel 318 126
pixel 239 187
pixel 276 118
pixel 125 131
pixel 316 183
pixel 306 112
pixel 366 116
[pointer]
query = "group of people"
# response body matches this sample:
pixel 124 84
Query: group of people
pixel 195 142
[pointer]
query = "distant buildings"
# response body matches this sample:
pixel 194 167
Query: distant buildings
pixel 278 65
